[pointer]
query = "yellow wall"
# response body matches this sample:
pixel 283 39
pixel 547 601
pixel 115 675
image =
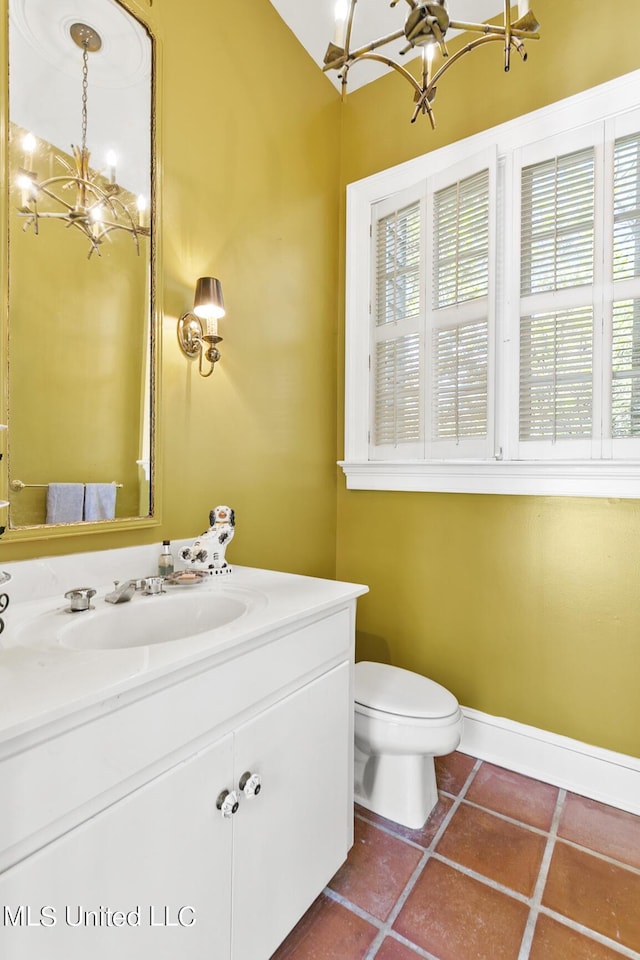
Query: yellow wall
pixel 250 194
pixel 525 607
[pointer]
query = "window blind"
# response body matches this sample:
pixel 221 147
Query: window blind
pixel 458 318
pixel 557 223
pixel 461 241
pixel 626 208
pixel 397 390
pixel 397 268
pixel 398 317
pixel 625 369
pixel 556 372
pixel 460 381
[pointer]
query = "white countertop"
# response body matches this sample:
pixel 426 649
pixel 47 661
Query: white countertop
pixel 44 683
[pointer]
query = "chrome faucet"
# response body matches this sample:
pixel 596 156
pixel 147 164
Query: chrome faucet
pixel 122 591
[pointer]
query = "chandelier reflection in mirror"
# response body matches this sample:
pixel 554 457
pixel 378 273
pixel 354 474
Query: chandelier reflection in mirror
pixel 426 27
pixel 87 200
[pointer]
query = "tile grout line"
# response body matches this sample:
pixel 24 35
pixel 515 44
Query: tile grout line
pixel 615 945
pixel 507 819
pixel 543 872
pixel 353 907
pixel 601 856
pixel 400 902
pixel 481 878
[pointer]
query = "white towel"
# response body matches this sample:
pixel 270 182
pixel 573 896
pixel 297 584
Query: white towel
pixel 65 502
pixel 99 501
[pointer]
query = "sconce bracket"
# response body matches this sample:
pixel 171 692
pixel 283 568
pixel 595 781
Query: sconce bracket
pixel 190 334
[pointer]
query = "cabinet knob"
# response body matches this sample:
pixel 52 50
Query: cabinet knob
pixel 228 803
pixel 250 784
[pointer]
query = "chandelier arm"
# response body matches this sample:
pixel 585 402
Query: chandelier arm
pixel 457 55
pixel 396 66
pixel 94 245
pixel 493 29
pixel 361 51
pixel 108 227
pixel 507 36
pixel 44 188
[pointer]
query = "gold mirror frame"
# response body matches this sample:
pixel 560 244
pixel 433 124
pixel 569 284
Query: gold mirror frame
pixel 82 528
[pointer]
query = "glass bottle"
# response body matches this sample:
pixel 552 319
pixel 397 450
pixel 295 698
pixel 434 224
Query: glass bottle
pixel 165 561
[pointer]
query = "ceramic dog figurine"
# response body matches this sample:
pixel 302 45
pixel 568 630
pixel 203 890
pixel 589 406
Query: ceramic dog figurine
pixel 207 552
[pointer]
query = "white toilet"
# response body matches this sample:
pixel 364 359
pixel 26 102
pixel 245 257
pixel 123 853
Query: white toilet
pixel 402 721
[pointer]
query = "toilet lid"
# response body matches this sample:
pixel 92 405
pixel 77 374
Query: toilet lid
pixel 380 686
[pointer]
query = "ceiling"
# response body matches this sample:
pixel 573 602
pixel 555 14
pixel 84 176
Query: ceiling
pixel 312 22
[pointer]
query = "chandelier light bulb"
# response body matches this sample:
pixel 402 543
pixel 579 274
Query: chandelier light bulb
pixel 523 8
pixel 340 17
pixel 26 186
pixel 141 204
pixel 29 146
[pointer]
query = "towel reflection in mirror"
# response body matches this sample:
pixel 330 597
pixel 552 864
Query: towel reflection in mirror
pixel 75 502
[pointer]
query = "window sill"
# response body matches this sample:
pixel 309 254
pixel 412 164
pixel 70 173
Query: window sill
pixel 566 478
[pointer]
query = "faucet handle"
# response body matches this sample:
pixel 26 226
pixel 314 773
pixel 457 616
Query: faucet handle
pixel 80 598
pixel 153 585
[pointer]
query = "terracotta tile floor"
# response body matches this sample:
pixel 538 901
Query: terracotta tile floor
pixel 506 868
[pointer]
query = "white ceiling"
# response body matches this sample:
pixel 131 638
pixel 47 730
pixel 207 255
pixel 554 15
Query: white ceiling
pixel 312 21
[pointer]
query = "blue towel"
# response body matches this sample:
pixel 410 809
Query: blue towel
pixel 65 502
pixel 99 501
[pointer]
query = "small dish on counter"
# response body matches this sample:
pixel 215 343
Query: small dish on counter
pixel 187 578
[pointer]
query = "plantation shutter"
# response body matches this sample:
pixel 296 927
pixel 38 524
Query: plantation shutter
pixel 558 204
pixel 556 375
pixel 557 276
pixel 397 311
pixel 461 227
pixel 625 323
pixel 626 208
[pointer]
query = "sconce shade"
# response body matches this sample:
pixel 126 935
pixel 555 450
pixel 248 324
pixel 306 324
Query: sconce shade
pixel 208 303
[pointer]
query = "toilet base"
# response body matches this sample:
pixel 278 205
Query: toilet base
pixel 400 788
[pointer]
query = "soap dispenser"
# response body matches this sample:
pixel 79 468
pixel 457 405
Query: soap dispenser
pixel 165 561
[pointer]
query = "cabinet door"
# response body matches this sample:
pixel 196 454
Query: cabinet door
pixel 161 857
pixel 292 837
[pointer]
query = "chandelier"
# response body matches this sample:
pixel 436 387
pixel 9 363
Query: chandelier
pixel 81 198
pixel 426 27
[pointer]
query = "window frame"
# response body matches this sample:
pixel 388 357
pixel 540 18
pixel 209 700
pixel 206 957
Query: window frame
pixel 504 474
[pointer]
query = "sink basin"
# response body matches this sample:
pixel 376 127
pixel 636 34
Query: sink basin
pixel 143 621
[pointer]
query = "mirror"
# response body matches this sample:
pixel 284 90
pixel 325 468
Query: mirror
pixel 81 264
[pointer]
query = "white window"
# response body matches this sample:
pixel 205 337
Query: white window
pixel 493 309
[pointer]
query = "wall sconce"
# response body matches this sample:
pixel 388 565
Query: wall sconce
pixel 208 305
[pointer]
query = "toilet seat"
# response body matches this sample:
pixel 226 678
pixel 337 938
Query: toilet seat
pixel 385 689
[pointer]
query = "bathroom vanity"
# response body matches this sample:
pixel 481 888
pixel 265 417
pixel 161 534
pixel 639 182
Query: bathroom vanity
pixel 181 797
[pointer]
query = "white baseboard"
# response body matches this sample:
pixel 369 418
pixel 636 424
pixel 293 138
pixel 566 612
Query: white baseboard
pixel 603 775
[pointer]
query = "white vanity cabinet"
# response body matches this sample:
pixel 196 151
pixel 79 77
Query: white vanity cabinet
pixel 148 867
pixel 290 839
pixel 161 847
